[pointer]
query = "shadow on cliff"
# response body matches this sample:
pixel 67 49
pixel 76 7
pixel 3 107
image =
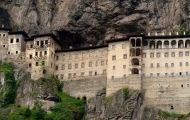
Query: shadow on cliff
pixel 4 17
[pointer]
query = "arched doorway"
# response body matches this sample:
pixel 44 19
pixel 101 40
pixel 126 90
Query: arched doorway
pixel 135 61
pixel 135 71
pixel 138 42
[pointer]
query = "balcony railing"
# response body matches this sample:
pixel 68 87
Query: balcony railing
pixel 41 47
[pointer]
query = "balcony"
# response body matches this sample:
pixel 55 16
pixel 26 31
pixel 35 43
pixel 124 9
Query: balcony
pixel 41 47
pixel 40 58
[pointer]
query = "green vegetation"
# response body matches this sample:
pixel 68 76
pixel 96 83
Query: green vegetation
pixel 108 99
pixel 68 108
pixel 126 93
pixel 168 115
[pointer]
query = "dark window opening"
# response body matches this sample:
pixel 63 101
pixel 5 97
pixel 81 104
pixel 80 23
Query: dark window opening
pixel 95 73
pixel 17 40
pixel 43 62
pixel 138 43
pixel 84 98
pixel 42 44
pixel 181 85
pixel 135 61
pixel 36 63
pixel 30 65
pixel 172 107
pixel 11 41
pixel 180 73
pixel 44 71
pixel 133 42
pixel 135 71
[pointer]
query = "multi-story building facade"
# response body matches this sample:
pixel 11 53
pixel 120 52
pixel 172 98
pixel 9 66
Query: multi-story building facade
pixel 159 65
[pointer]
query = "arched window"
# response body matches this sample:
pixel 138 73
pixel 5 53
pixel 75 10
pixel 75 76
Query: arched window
pixel 173 43
pixel 132 52
pixel 187 43
pixel 135 61
pixel 159 44
pixel 133 42
pixel 145 44
pixel 138 52
pixel 138 42
pixel 166 44
pixel 152 45
pixel 135 71
pixel 180 44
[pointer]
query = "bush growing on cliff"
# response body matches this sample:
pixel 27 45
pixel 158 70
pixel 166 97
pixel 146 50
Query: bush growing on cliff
pixel 173 115
pixel 126 93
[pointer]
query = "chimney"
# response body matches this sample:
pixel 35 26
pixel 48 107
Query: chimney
pixel 3 26
pixel 184 33
pixel 70 47
pixel 148 33
pixel 177 33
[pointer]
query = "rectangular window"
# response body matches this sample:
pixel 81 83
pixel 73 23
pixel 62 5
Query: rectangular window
pixel 83 55
pixel 74 75
pixel 187 73
pixel 180 64
pixel 144 55
pixel 76 56
pixel 38 43
pixel 82 65
pixel 11 41
pixel 123 46
pixel 30 56
pixel 9 53
pixel 158 74
pixel 64 57
pixel 151 65
pixel 16 52
pixel 57 57
pixel 62 76
pixel 90 73
pixel 96 63
pixel 70 56
pixel 30 65
pixel 102 52
pixel 166 74
pixel 151 74
pixel 45 52
pixel 76 66
pixel 124 76
pixel 172 64
pixel 187 53
pixel 102 63
pixel 17 40
pixel 43 62
pixel 113 47
pixel 158 55
pixel 46 42
pixel 172 74
pixel 113 67
pixel 63 67
pixel 90 54
pixel 56 68
pixel 124 66
pixel 44 71
pixel 180 54
pixel 114 57
pixel 112 77
pixel 187 64
pixel 90 64
pixel 69 66
pixel 173 54
pixel 151 55
pixel 125 56
pixel 166 64
pixel 69 75
pixel 82 74
pixel 158 65
pixel 166 54
pixel 36 53
pixel 104 72
pixel 36 63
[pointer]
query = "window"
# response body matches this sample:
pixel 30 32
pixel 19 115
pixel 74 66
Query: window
pixel 114 57
pixel 82 65
pixel 57 57
pixel 45 52
pixel 38 43
pixel 180 64
pixel 62 76
pixel 46 42
pixel 63 67
pixel 180 73
pixel 70 56
pixel 173 54
pixel 113 67
pixel 56 68
pixel 17 40
pixel 182 85
pixel 90 73
pixel 56 76
pixel 104 72
pixel 11 41
pixel 9 53
pixel 113 47
pixel 102 63
pixel 76 56
pixel 36 63
pixel 124 76
pixel 3 35
pixel 124 66
pixel 74 75
pixel 69 75
pixel 151 55
pixel 82 74
pixel 151 65
pixel 144 55
pixel 83 55
pixel 125 56
pixel 158 55
pixel 76 66
pixel 16 52
pixel 187 73
pixel 187 53
pixel 44 71
pixel 4 46
pixel 158 74
pixel 43 62
pixel 172 64
pixel 69 66
pixel 31 46
pixel 102 52
pixel 151 74
pixel 166 64
pixel 187 64
pixel 30 65
pixel 90 54
pixel 166 54
pixel 158 65
pixel 166 74
pixel 180 54
pixel 36 53
pixel 112 77
pixel 123 46
pixel 172 74
pixel 90 64
pixel 64 57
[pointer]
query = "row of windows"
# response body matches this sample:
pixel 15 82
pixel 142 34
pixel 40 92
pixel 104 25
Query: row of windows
pixel 114 46
pixel 2 35
pixel 124 67
pixel 166 54
pixel 37 64
pixel 124 76
pixel 16 52
pixel 166 74
pixel 82 65
pixel 39 54
pixel 82 74
pixel 166 64
pixel 71 56
pixel 114 56
pixel 12 40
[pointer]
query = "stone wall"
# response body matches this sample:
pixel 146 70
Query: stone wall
pixel 86 87
pixel 167 93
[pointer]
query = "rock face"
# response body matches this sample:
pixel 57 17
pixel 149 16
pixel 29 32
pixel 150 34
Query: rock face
pixel 116 107
pixel 95 19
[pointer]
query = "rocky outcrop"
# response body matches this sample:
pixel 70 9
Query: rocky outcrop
pixel 93 20
pixel 116 107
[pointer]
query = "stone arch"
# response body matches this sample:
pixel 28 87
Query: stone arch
pixel 138 42
pixel 173 43
pixel 135 71
pixel 166 44
pixel 145 44
pixel 135 61
pixel 187 43
pixel 133 42
pixel 180 44
pixel 159 44
pixel 152 45
pixel 132 52
pixel 138 52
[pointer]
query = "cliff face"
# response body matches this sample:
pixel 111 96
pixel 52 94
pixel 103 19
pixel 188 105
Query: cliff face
pixel 95 19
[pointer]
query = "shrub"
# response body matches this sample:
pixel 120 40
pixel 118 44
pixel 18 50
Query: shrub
pixel 126 93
